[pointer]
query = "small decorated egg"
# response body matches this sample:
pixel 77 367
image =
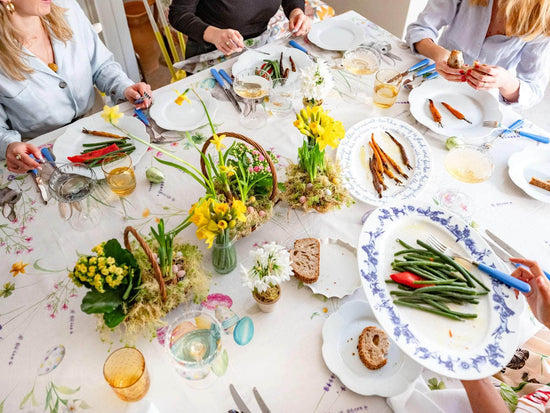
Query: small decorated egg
pixel 154 175
pixel 261 213
pixel 328 192
pixel 180 274
pixel 252 199
pixel 52 359
pixel 227 318
pixel 244 331
pixel 250 209
pixel 175 269
pixel 302 199
pixel 309 186
pixel 219 366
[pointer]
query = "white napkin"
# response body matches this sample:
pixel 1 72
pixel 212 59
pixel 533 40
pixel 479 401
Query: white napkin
pixel 142 406
pixel 418 398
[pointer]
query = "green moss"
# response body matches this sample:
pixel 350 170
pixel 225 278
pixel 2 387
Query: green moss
pixel 316 196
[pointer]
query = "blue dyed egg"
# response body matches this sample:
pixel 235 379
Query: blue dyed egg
pixel 52 359
pixel 244 331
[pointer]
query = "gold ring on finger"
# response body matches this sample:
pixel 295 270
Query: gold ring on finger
pixel 18 156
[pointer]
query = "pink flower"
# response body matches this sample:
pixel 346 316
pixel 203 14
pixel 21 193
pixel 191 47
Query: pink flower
pixel 18 252
pixel 49 307
pixel 64 306
pixel 149 149
pixel 250 169
pixel 73 295
pixel 256 168
pixel 56 286
pixel 261 158
pixel 254 152
pixel 30 249
pixel 52 315
pixel 28 239
pixel 2 244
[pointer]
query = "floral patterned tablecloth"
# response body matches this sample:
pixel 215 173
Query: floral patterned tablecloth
pixel 51 356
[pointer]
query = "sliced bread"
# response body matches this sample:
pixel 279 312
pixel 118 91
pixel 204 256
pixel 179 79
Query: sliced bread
pixel 305 259
pixel 455 60
pixel 540 183
pixel 373 347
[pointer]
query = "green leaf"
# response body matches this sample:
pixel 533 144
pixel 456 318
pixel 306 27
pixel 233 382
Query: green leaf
pixel 48 396
pixel 26 398
pixel 113 249
pixel 96 302
pixel 128 290
pixel 66 390
pixel 2 406
pixel 114 318
pixel 83 405
pixel 509 396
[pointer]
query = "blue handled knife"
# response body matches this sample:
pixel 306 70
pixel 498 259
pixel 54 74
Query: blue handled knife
pixel 40 185
pixel 226 76
pixel 226 90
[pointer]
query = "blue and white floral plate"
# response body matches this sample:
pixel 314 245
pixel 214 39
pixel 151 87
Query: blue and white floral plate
pixel 355 171
pixel 467 350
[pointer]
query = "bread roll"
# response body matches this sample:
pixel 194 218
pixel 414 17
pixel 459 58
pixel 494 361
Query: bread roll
pixel 455 60
pixel 373 347
pixel 305 259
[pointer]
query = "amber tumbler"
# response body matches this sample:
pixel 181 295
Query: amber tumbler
pixel 126 373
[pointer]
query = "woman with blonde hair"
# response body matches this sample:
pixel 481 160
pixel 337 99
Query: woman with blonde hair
pixel 509 37
pixel 50 59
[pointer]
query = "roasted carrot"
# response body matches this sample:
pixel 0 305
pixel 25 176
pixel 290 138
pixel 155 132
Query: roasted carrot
pixel 435 113
pixel 404 157
pixel 292 65
pixel 455 112
pixel 104 134
pixel 375 181
pixel 285 75
pixel 394 165
pixel 385 162
pixel 378 166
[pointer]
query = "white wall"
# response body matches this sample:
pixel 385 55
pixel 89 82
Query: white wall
pixel 392 15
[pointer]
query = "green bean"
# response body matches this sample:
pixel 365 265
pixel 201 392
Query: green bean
pixel 469 291
pixel 420 272
pixel 436 282
pixel 427 263
pixel 107 143
pixel 428 309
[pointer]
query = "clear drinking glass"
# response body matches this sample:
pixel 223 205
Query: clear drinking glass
pixel 252 85
pixel 193 342
pixel 71 185
pixel 127 374
pixel 385 92
pixel 119 173
pixel 362 60
pixel 281 97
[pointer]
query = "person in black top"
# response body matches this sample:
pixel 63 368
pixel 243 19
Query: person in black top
pixel 224 24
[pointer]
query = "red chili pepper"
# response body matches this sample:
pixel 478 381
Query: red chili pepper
pixel 93 154
pixel 408 279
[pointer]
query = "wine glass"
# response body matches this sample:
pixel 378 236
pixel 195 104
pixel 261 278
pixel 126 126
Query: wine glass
pixel 71 184
pixel 193 342
pixel 252 85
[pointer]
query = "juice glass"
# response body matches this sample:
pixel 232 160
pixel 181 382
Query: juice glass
pixel 126 373
pixel 119 173
pixel 362 60
pixel 252 85
pixel 386 88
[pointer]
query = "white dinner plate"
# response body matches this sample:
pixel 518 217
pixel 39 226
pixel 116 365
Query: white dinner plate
pixel 70 143
pixel 340 336
pixel 252 59
pixel 334 34
pixel 476 105
pixel 531 162
pixel 184 117
pixel 357 176
pixel 468 350
pixel 338 272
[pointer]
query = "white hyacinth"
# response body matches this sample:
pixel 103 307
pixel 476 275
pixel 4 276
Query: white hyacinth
pixel 317 81
pixel 271 266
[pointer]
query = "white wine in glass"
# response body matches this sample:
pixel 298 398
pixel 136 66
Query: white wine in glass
pixel 251 85
pixel 469 163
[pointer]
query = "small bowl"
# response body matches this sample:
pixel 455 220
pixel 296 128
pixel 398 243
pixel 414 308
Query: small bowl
pixel 469 163
pixel 362 60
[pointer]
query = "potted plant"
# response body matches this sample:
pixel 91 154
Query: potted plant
pixel 317 83
pixel 314 182
pixel 270 267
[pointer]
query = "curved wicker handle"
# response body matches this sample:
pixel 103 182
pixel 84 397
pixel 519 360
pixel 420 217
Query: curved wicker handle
pixel 156 269
pixel 253 143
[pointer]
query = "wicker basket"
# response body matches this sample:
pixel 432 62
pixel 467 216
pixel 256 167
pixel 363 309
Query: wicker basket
pixel 252 143
pixel 156 269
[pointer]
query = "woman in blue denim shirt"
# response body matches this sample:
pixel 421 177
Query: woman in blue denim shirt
pixel 50 60
pixel 505 42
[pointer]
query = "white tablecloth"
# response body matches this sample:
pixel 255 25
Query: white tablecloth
pixel 284 358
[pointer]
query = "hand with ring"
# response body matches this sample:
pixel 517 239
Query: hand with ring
pixel 227 41
pixel 18 159
pixel 298 22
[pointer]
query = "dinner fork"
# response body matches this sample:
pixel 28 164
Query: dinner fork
pixel 151 127
pixel 499 275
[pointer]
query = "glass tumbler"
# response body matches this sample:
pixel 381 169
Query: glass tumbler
pixel 362 60
pixel 126 373
pixel 469 163
pixel 119 173
pixel 386 88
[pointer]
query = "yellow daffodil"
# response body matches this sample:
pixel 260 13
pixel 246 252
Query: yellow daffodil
pixel 111 115
pixel 228 170
pixel 239 208
pixel 221 208
pixel 200 213
pixel 217 140
pixel 222 224
pixel 207 235
pixel 18 268
pixel 181 97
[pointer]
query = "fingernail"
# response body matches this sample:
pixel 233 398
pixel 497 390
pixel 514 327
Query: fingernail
pixel 463 78
pixel 462 72
pixel 469 71
pixel 476 66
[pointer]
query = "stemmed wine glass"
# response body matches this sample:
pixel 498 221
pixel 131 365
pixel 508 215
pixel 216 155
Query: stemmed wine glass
pixel 252 85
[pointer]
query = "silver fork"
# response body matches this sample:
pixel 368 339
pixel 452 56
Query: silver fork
pixel 499 275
